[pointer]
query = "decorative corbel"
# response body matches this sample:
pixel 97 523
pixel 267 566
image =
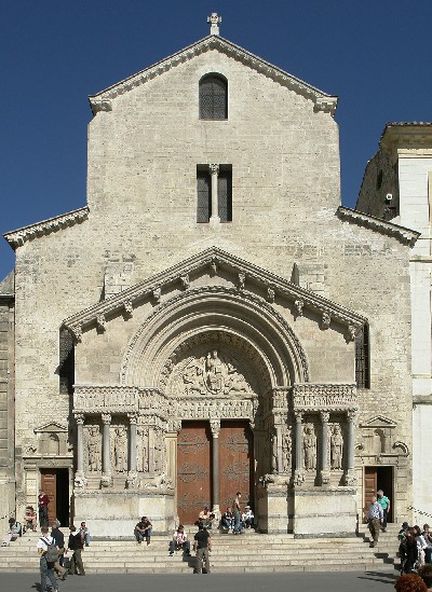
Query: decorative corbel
pixel 299 306
pixel 325 320
pixel 271 294
pixel 241 281
pixel 128 309
pixel 213 266
pixel 352 332
pixel 101 323
pixel 157 292
pixel 77 333
pixel 185 281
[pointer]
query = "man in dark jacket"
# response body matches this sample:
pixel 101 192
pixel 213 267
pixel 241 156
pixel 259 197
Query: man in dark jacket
pixel 75 544
pixel 58 537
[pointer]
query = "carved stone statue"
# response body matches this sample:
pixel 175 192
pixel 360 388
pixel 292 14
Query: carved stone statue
pixel 93 449
pixel 287 450
pixel 309 447
pixel 274 453
pixel 214 372
pixel 193 376
pixel 142 450
pixel 336 447
pixel 235 381
pixel 120 449
pixel 159 457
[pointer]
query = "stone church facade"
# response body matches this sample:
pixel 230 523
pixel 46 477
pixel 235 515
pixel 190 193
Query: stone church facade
pixel 213 320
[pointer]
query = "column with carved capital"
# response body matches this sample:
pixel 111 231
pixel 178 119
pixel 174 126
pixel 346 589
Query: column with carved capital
pixel 133 420
pixel 106 457
pixel 79 418
pixel 349 476
pixel 324 448
pixel 214 172
pixel 298 473
pixel 215 429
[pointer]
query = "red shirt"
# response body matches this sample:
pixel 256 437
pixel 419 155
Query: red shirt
pixel 43 500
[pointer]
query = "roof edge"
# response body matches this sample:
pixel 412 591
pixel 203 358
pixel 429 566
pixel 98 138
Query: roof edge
pixel 18 237
pixel 101 101
pixel 404 235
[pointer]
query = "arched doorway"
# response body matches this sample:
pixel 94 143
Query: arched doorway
pixel 224 361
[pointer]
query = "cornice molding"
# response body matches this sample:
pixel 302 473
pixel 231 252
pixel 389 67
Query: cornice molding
pixel 212 261
pixel 323 101
pixel 18 237
pixel 404 235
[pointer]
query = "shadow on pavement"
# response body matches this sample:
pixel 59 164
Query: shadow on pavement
pixel 379 576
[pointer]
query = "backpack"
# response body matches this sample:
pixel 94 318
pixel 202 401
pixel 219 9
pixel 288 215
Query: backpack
pixel 51 554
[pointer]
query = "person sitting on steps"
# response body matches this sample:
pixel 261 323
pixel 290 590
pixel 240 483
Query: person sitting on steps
pixel 206 518
pixel 179 541
pixel 227 520
pixel 143 530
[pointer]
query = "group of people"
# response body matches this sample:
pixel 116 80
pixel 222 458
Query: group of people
pixel 232 520
pixel 415 547
pixel 52 552
pixel 377 515
pixel 201 546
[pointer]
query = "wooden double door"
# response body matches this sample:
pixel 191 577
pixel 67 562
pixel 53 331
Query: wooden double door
pixel 197 475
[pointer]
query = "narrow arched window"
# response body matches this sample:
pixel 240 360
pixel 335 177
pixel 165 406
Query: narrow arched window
pixel 213 97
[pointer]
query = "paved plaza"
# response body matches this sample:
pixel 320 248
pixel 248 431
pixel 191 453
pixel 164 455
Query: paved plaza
pixel 376 581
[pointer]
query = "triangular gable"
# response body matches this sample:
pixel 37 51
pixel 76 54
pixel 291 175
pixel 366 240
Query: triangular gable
pixel 213 261
pixel 323 101
pixel 379 421
pixel 51 427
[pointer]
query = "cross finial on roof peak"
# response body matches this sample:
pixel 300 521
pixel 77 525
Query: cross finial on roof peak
pixel 214 19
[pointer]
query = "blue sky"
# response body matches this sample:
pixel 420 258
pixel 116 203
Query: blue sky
pixel 374 54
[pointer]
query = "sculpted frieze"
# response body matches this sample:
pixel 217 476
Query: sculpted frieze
pixel 315 397
pixel 96 399
pixel 219 408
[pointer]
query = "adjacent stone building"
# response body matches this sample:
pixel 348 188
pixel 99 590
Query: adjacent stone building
pixel 213 320
pixel 397 186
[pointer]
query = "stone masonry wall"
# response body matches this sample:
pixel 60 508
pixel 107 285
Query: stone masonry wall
pixel 142 196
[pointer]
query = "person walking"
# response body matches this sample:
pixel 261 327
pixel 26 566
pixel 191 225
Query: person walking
pixel 237 514
pixel 384 502
pixel 202 547
pixel 47 550
pixel 58 537
pixel 374 517
pixel 76 545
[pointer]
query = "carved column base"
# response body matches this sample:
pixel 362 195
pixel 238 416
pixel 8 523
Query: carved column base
pixel 298 478
pixel 349 477
pixel 106 481
pixel 80 481
pixel 132 480
pixel 216 511
pixel 324 477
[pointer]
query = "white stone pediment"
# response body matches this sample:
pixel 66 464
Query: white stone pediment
pixel 206 269
pixel 102 101
pixel 52 427
pixel 379 421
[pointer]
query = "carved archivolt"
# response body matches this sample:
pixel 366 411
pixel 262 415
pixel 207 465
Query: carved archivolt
pixel 204 310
